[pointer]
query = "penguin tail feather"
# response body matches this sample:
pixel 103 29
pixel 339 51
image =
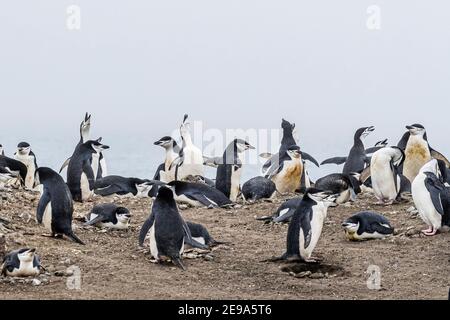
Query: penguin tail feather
pixel 179 263
pixel 74 238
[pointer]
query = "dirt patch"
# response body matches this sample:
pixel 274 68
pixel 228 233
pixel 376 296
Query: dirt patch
pixel 112 266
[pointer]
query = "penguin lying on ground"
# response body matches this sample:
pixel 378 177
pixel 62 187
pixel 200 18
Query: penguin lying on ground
pixel 108 215
pixel 122 186
pixel 258 188
pixel 367 225
pixel 15 167
pixel 284 213
pixel 306 225
pixel 347 186
pixel 432 198
pixel 201 235
pixel 55 208
pixel 21 263
pixel 198 194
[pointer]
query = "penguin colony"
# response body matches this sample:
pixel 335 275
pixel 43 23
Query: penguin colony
pixel 390 173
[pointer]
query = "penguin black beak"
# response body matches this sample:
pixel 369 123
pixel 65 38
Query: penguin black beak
pixel 33 250
pixel 250 147
pixel 158 143
pixel 105 147
pixel 410 127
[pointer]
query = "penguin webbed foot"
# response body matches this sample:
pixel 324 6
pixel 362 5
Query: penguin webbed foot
pixel 431 231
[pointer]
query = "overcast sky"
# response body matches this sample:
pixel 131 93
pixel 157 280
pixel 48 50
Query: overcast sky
pixel 139 65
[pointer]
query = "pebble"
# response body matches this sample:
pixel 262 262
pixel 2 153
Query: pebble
pixel 318 275
pixel 209 257
pixel 302 275
pixel 36 282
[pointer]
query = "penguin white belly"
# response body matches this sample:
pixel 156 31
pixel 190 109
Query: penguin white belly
pixel 235 184
pixel 28 161
pixel 344 197
pixel 26 269
pixel 383 183
pixel 192 164
pixel 48 216
pixel 200 240
pixel 95 163
pixel 289 179
pixel 182 198
pixel 319 215
pixel 104 167
pixel 153 245
pixel 86 192
pixel 417 155
pixel 424 204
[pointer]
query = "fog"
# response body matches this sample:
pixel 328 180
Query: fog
pixel 138 66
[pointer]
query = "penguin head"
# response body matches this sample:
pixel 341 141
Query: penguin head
pixel 23 148
pixel 286 125
pixel 1 149
pixel 26 255
pixel 123 215
pixel 416 129
pixel 97 145
pixel 242 145
pixel 362 133
pixel 294 152
pixel 165 142
pixel 432 166
pixel 166 192
pixel 185 126
pixel 351 225
pixel 85 125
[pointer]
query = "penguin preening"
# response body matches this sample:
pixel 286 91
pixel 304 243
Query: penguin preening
pixel 21 263
pixel 228 178
pixel 122 186
pixel 172 152
pixel 431 197
pixel 387 181
pixel 198 194
pixel 346 186
pixel 28 158
pixel 357 159
pixel 287 173
pixel 258 188
pixel 55 208
pixel 85 128
pixel 82 168
pixel 367 225
pixel 190 159
pixel 109 216
pixel 306 225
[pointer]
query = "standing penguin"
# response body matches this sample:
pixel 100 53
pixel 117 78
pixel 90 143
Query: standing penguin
pixel 27 157
pixel 357 159
pixel 190 158
pixel 417 152
pixel 387 181
pixel 21 263
pixel 82 168
pixel 85 128
pixel 287 175
pixel 228 178
pixel 306 225
pixel 172 152
pixel 55 208
pixel 166 227
pixel 431 197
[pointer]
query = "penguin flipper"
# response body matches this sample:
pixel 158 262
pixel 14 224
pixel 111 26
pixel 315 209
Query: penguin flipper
pixel 439 156
pixel 87 169
pixel 94 221
pixel 435 188
pixel 42 205
pixel 107 191
pixel 377 227
pixel 335 160
pixel 285 217
pixel 197 196
pixel 308 157
pixel 74 238
pixel 145 229
pixel 307 231
pixel 157 175
pixel 65 164
pixel 179 263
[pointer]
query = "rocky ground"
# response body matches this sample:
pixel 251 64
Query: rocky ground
pixel 111 266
